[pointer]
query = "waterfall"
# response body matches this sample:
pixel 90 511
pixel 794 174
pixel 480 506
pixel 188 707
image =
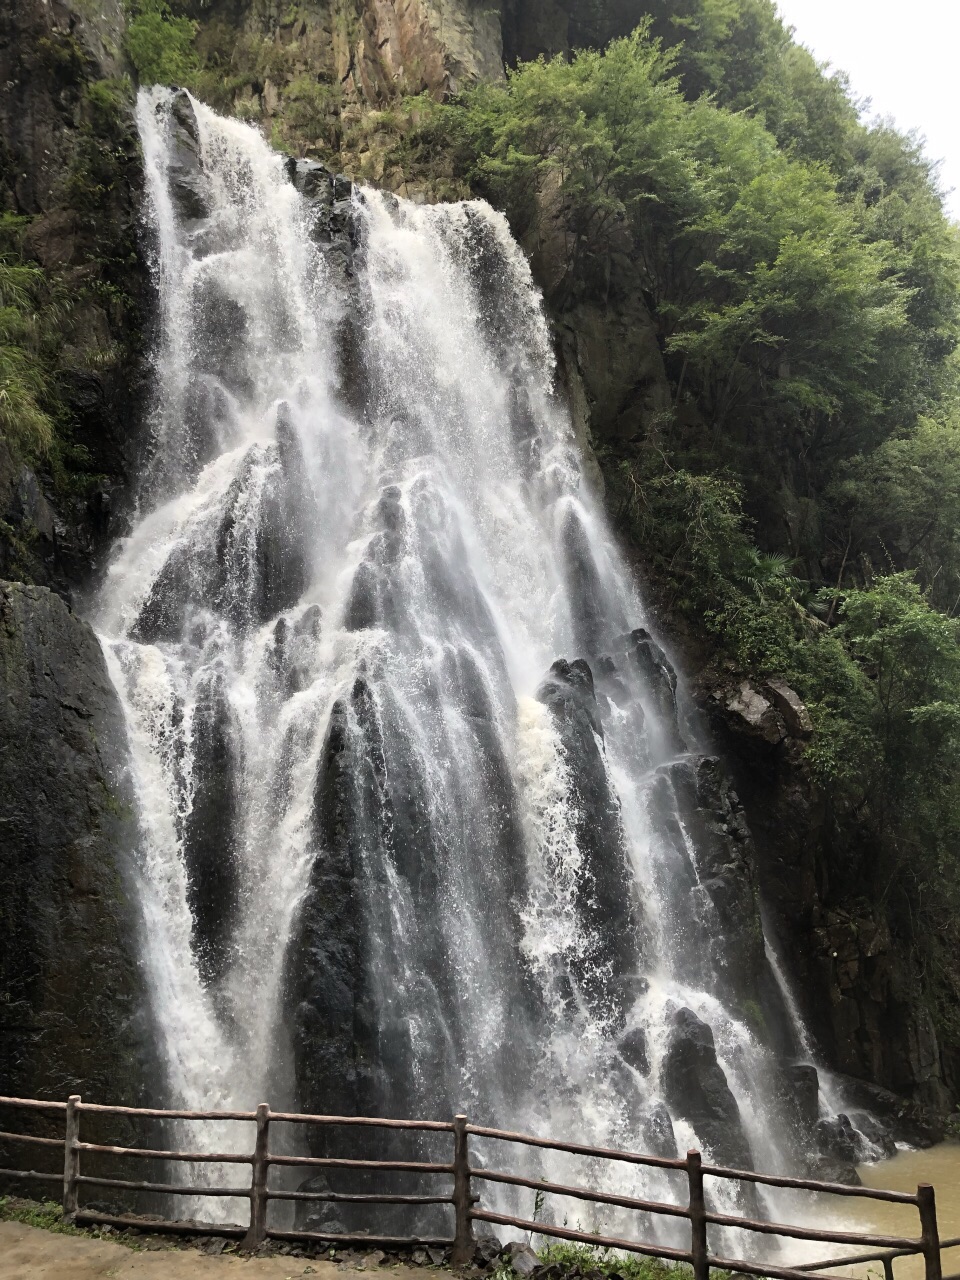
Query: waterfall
pixel 421 827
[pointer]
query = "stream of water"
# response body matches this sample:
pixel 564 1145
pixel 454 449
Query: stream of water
pixel 422 821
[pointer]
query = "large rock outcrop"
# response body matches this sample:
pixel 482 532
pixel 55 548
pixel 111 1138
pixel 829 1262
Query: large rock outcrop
pixel 325 985
pixel 696 1089
pixel 853 969
pixel 73 1011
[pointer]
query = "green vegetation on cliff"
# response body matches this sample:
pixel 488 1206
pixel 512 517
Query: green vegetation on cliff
pixel 25 387
pixel 769 293
pixel 71 280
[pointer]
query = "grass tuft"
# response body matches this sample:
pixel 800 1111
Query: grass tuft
pixel 585 1259
pixel 46 1214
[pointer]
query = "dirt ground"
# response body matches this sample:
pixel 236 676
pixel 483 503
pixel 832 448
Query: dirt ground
pixel 28 1253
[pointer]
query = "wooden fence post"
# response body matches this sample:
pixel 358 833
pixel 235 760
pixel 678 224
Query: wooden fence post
pixel 463 1233
pixel 929 1235
pixel 698 1217
pixel 258 1182
pixel 71 1159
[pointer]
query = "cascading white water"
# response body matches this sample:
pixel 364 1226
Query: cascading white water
pixel 380 788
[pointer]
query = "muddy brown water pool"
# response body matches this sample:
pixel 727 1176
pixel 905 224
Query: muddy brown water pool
pixel 938 1165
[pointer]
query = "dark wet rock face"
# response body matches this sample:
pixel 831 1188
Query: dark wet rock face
pixel 332 214
pixel 327 961
pixel 720 883
pixel 695 1089
pixel 660 680
pixel 632 1047
pixel 858 983
pixel 352 1039
pixel 334 224
pixel 251 569
pixel 605 903
pixel 585 588
pixel 801 1098
pixel 73 1018
pixel 185 182
pixel 658 1136
pixel 210 834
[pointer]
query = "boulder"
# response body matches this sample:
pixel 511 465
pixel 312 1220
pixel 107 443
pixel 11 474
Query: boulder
pixel 523 1259
pixel 837 1139
pixel 632 1047
pixel 695 1088
pixel 488 1247
pixel 754 713
pixel 801 1096
pixel 795 715
pixel 830 1169
pixel 657 1133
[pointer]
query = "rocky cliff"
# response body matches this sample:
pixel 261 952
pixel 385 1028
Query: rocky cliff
pixel 853 969
pixel 324 79
pixel 73 1014
pixel 69 199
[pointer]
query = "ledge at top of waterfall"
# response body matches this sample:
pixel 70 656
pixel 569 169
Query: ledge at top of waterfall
pixel 421 826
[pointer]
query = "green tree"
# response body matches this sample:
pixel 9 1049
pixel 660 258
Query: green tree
pixel 161 44
pixel 900 505
pixel 910 653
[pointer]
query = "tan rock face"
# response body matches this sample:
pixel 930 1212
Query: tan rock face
pixel 771 712
pixel 788 703
pixel 314 73
pixel 757 713
pixel 434 45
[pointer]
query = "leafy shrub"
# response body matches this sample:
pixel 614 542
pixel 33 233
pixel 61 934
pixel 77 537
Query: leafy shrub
pixel 160 44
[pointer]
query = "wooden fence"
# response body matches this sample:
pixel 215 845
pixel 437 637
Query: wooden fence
pixel 463 1178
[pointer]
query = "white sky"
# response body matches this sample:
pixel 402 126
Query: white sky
pixel 903 56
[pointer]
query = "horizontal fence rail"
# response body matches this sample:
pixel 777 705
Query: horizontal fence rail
pixel 464 1177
